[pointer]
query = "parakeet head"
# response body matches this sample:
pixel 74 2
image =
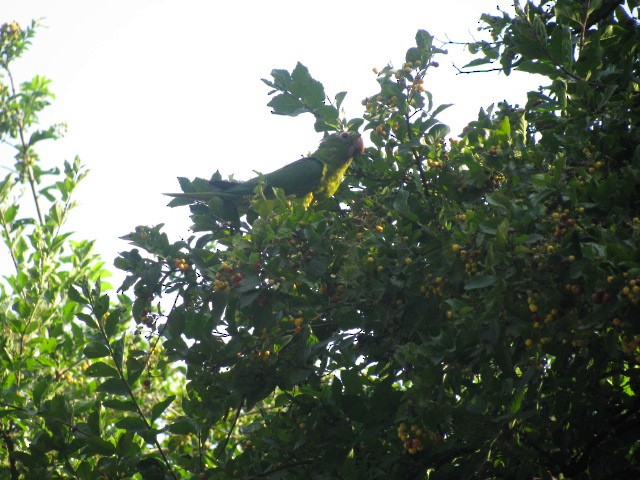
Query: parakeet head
pixel 340 147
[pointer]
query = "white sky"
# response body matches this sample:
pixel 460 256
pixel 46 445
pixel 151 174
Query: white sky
pixel 154 89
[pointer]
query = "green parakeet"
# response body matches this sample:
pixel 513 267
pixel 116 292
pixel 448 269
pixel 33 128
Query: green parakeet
pixel 313 178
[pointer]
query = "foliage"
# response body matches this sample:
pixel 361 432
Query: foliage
pixel 461 309
pixel 52 420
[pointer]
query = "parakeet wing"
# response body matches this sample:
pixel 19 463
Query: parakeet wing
pixel 297 178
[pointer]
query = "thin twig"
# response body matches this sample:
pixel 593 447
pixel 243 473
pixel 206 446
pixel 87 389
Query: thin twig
pixel 236 416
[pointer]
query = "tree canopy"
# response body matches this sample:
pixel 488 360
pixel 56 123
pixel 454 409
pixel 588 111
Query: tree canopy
pixel 461 308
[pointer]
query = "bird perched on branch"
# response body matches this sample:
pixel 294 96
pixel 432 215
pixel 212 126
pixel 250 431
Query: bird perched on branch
pixel 313 178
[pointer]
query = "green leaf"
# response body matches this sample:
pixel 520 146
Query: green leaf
pixel 516 403
pixel 111 322
pixel 183 426
pixel 118 351
pixel 160 407
pixel 537 66
pixel 349 466
pixel 151 469
pixel 38 135
pixel 124 405
pixel 424 41
pixel 569 10
pixel 477 62
pixel 352 382
pixel 439 131
pixel 441 108
pixel 9 214
pixel 400 203
pixel 76 296
pixel 281 78
pixel 100 369
pixel 40 390
pixel 593 5
pixel 540 30
pixel 93 419
pixel 287 104
pixel 132 424
pixel 567 48
pixel 96 350
pixel 47 346
pixel 479 281
pixel 99 446
pixel 305 87
pixel 114 386
pixel 135 368
pixel 339 99
pixel 498 199
pixel 88 320
pixel 101 306
pixel 502 234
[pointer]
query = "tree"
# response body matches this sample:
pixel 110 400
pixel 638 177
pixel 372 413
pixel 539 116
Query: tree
pixel 462 308
pixel 52 418
pixel 40 361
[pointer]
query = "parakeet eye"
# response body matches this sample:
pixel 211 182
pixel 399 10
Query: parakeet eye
pixel 344 135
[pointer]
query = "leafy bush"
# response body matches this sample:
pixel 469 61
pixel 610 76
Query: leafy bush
pixel 463 308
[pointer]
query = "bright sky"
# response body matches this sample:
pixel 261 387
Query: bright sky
pixel 152 89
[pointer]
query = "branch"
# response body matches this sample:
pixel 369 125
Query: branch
pixel 236 416
pixel 25 157
pixel 268 473
pixel 499 69
pixel 10 446
pixel 130 393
